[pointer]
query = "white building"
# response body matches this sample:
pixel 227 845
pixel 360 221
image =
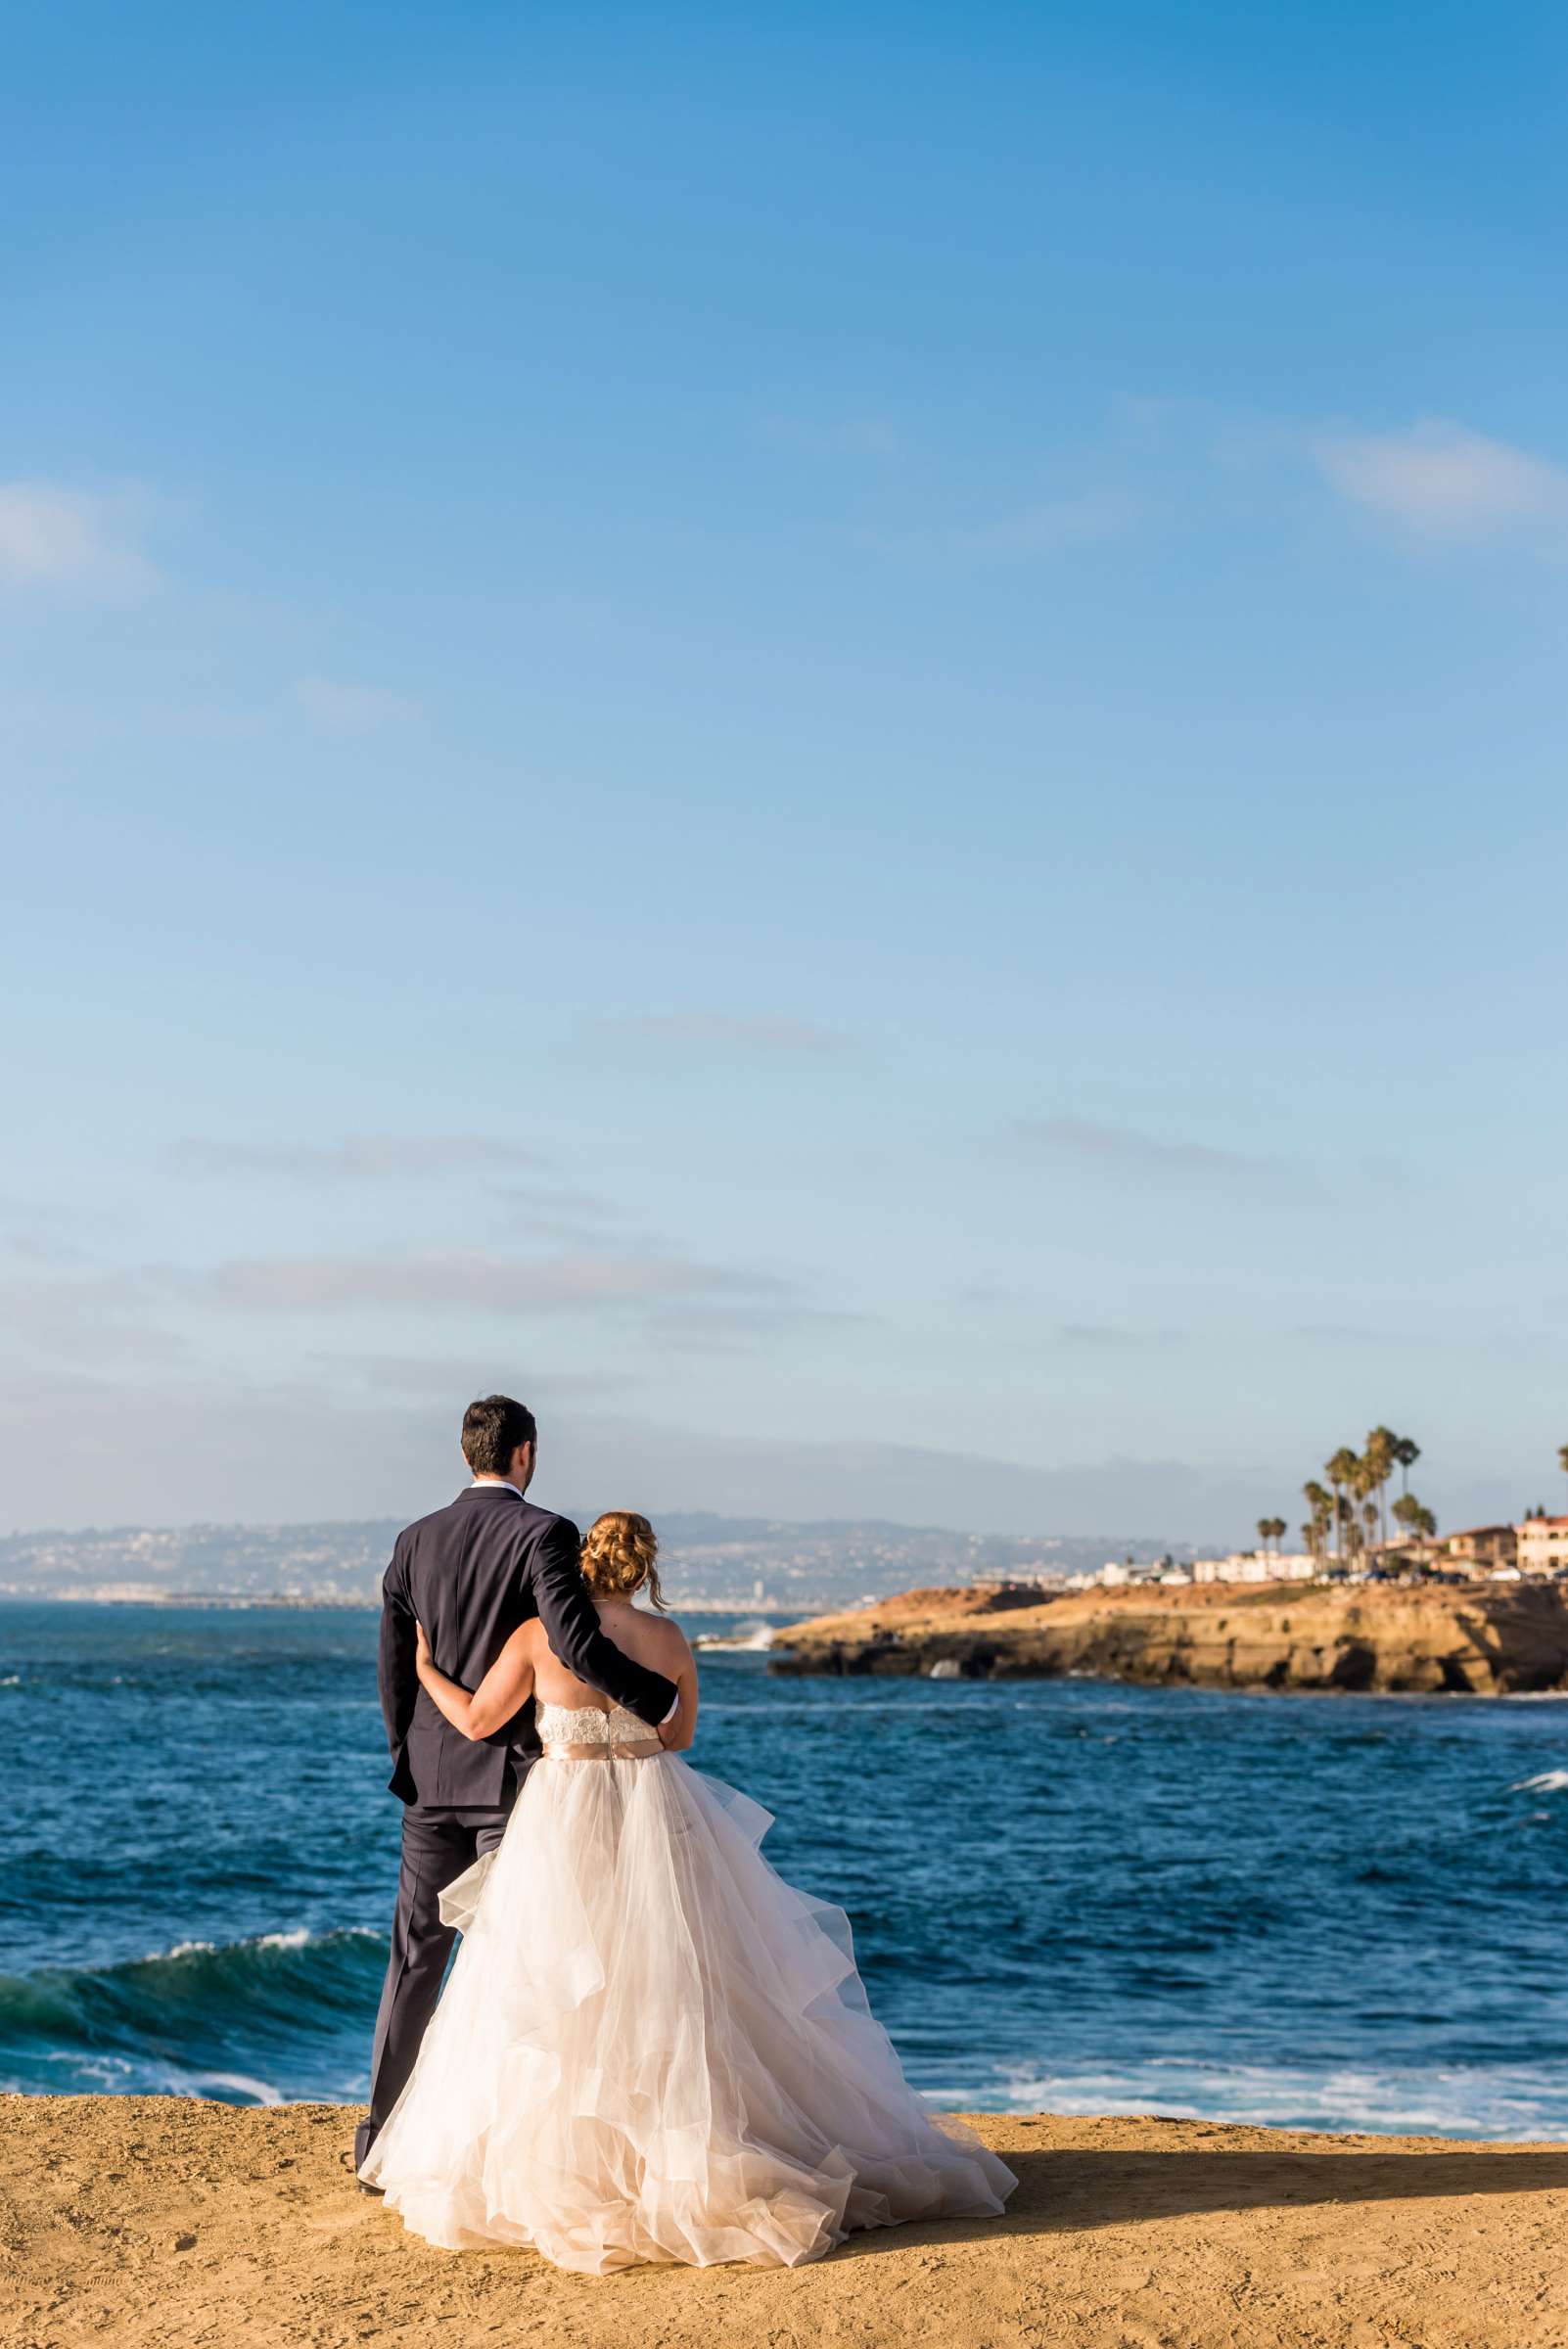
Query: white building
pixel 1257 1566
pixel 1543 1545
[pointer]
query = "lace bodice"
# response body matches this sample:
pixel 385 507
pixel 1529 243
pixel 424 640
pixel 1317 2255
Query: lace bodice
pixel 587 1724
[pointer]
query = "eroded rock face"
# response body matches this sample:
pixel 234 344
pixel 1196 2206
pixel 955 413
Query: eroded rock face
pixel 1484 1640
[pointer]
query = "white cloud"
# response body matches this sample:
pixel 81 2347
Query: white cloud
pixel 1124 1145
pixel 348 708
pixel 857 436
pixel 436 1379
pixel 53 537
pixel 704 1325
pixel 1444 481
pixel 473 1282
pixel 552 1212
pixel 1105 1335
pixel 92 1321
pixel 42 1232
pixel 1082 518
pixel 363 1158
pixel 765 1034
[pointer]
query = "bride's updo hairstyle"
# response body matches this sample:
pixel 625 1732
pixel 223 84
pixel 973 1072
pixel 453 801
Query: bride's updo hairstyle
pixel 617 1556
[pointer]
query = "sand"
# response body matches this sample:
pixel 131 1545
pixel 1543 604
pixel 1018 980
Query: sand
pixel 148 2221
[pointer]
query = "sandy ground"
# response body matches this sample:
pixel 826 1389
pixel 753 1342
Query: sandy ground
pixel 145 2222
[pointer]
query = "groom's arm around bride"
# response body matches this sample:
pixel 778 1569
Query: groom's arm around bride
pixel 548 1583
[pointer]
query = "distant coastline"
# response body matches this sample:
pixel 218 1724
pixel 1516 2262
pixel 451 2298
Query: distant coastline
pixel 326 1603
pixel 714 1565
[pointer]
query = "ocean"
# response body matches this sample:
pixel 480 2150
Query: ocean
pixel 1340 1912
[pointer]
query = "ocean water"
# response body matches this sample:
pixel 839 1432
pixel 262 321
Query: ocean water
pixel 1331 1912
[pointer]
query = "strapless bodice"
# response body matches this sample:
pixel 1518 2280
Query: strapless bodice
pixel 589 1725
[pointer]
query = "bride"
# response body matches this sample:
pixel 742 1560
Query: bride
pixel 650 2047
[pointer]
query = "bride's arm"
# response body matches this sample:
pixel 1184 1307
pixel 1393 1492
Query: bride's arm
pixel 677 1731
pixel 509 1681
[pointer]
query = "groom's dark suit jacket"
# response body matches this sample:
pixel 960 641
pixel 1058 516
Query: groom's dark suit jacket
pixel 470 1574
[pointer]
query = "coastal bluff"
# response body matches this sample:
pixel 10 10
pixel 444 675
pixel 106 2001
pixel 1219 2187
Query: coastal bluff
pixel 153 2223
pixel 1479 1639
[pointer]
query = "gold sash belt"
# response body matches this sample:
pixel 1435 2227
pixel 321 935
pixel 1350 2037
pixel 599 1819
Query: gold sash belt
pixel 629 1749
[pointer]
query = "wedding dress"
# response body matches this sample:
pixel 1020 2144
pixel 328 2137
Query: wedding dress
pixel 651 2047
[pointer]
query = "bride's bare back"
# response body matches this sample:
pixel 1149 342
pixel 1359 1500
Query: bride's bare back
pixel 656 1640
pixel 617 1561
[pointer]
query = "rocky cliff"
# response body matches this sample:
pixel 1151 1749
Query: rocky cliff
pixel 1485 1638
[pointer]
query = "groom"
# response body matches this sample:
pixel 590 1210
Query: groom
pixel 470 1574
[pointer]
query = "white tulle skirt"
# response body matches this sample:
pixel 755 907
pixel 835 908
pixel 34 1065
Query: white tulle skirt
pixel 652 2048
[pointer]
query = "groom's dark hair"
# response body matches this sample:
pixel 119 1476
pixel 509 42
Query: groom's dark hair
pixel 493 1430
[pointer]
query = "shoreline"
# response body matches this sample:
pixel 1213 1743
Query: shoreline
pixel 163 2224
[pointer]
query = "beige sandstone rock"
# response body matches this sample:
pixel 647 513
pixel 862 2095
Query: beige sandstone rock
pixel 1480 1639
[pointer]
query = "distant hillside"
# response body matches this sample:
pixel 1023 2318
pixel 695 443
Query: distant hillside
pixel 711 1561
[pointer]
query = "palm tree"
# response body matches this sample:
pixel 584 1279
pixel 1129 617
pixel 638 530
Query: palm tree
pixel 1323 1510
pixel 1406 1451
pixel 1347 1537
pixel 1363 1483
pixel 1417 1521
pixel 1562 1457
pixel 1382 1451
pixel 1265 1526
pixel 1340 1471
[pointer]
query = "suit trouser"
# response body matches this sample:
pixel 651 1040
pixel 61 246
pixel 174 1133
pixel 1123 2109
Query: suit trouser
pixel 437 1845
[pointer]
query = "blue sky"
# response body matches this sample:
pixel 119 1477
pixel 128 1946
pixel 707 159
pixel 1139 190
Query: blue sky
pixel 838 743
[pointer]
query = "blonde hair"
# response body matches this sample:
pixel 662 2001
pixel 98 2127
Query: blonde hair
pixel 617 1556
